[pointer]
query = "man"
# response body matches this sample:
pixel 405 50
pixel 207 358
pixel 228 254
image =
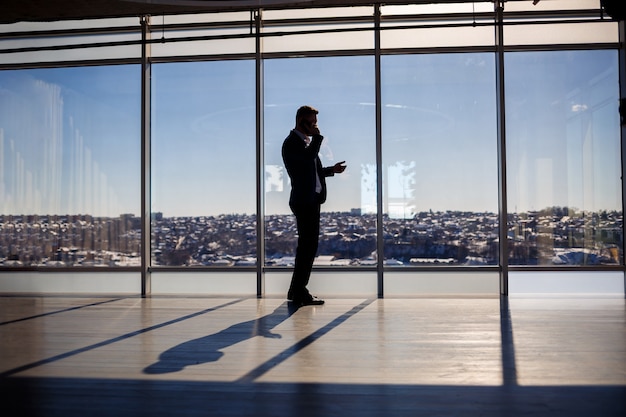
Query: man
pixel 308 192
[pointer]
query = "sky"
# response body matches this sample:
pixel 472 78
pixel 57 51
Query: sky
pixel 70 137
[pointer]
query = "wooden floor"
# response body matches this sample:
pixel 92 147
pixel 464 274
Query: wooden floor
pixel 162 356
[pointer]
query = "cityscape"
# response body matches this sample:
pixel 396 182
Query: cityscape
pixel 554 236
pixel 69 144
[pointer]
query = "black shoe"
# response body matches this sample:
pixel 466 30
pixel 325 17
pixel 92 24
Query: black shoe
pixel 312 301
pixel 298 295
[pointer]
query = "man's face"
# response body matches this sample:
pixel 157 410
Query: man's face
pixel 309 124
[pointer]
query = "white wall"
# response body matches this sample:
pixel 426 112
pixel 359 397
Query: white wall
pixel 70 282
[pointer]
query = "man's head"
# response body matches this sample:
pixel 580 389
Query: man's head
pixel 306 120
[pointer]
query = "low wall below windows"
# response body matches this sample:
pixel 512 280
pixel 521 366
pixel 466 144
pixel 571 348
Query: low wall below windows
pixel 36 282
pixel 414 284
pixel 566 282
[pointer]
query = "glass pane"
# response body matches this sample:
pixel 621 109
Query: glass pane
pixel 563 158
pixel 353 29
pixel 342 89
pixel 71 55
pixel 551 5
pixel 563 33
pixel 529 23
pixel 204 47
pixel 28 36
pixel 437 37
pixel 34 27
pixel 362 39
pixel 201 18
pixel 437 25
pixel 439 159
pixel 320 13
pixel 69 166
pixel 227 33
pixel 436 8
pixel 203 163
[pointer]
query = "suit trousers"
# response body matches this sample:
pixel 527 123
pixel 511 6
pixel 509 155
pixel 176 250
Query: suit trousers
pixel 308 224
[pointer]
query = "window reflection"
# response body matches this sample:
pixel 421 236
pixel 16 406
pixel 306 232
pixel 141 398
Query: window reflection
pixel 69 154
pixel 439 160
pixel 563 158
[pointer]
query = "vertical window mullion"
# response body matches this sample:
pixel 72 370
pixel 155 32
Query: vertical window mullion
pixel 379 161
pixel 502 191
pixel 260 151
pixel 146 250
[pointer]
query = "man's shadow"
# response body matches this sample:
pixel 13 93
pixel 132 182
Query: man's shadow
pixel 208 348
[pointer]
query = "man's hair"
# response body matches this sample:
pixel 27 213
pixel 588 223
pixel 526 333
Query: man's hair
pixel 305 111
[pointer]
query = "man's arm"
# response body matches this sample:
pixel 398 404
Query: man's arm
pixel 295 151
pixel 338 168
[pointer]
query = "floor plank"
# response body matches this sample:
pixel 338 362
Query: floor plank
pixel 195 356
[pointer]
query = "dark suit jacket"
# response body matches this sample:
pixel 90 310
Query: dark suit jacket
pixel 302 162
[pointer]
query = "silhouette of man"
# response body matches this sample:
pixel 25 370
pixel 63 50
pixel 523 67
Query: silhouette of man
pixel 308 192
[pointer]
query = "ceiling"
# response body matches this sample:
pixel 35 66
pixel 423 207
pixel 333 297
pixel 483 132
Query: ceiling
pixel 12 11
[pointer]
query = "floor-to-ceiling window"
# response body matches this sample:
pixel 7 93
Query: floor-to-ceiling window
pixel 564 198
pixel 439 159
pixel 563 158
pixel 69 166
pixel 203 164
pixel 342 89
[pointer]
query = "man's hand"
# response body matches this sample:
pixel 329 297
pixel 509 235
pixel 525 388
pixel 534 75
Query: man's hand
pixel 339 167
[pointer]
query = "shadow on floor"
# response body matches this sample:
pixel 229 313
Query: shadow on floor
pixel 208 348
